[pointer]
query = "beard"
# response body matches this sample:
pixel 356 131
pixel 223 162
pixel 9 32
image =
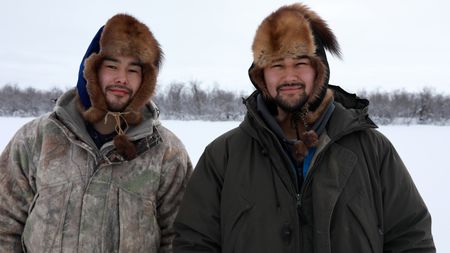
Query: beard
pixel 117 107
pixel 116 104
pixel 290 106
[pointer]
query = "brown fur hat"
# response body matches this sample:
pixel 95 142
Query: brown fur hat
pixel 294 31
pixel 123 35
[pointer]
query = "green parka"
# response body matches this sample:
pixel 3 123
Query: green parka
pixel 357 196
pixel 60 193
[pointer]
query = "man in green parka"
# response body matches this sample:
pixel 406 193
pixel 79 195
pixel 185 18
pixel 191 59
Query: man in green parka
pixel 306 171
pixel 99 173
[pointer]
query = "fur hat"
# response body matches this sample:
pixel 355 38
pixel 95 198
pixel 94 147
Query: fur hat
pixel 122 35
pixel 294 31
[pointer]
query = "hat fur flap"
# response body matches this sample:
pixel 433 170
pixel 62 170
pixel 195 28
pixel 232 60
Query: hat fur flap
pixel 293 31
pixel 123 35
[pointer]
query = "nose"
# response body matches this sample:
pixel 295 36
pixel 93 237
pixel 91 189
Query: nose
pixel 121 77
pixel 291 75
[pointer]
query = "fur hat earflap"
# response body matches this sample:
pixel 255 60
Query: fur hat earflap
pixel 294 31
pixel 122 35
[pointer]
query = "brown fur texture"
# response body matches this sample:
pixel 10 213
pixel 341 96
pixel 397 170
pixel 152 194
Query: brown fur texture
pixel 126 148
pixel 293 31
pixel 285 33
pixel 307 140
pixel 123 35
pixel 312 116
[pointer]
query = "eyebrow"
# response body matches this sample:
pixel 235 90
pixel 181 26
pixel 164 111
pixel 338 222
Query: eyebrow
pixel 109 58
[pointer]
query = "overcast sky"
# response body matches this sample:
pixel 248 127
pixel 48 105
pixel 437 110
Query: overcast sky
pixel 386 44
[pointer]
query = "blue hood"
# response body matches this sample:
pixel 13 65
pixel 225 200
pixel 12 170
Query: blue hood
pixel 94 47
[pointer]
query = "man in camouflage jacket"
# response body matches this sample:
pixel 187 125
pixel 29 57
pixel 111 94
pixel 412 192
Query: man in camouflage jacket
pixel 99 173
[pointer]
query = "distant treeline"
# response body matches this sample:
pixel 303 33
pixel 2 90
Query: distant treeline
pixel 188 101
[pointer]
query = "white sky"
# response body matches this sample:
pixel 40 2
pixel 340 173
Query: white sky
pixel 386 44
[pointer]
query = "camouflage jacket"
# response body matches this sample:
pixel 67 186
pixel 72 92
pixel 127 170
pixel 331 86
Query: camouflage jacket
pixel 60 193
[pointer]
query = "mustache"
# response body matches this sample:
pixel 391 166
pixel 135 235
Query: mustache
pixel 116 86
pixel 281 86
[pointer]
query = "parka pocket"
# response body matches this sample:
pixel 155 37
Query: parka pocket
pixel 367 220
pixel 43 228
pixel 139 230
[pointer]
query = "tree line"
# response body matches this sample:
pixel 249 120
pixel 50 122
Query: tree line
pixel 189 101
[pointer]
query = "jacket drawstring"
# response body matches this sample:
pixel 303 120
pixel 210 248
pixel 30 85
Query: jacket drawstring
pixel 117 117
pixel 124 146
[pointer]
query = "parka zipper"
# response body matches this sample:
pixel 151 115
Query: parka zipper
pixel 294 184
pixel 299 198
pixel 319 157
pixel 301 216
pixel 308 179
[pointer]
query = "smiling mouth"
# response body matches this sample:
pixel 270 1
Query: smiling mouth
pixel 119 90
pixel 291 86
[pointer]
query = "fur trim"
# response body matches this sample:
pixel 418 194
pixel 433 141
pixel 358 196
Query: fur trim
pixel 312 116
pixel 294 31
pixel 291 31
pixel 308 137
pixel 307 140
pixel 126 148
pixel 123 35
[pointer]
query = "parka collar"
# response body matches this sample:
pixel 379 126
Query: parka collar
pixel 355 117
pixel 350 114
pixel 67 112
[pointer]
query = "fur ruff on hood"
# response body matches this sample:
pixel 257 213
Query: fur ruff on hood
pixel 122 35
pixel 294 31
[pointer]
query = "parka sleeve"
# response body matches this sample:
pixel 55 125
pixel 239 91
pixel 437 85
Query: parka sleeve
pixel 16 193
pixel 406 220
pixel 197 225
pixel 176 171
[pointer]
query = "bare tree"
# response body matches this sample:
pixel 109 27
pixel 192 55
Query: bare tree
pixel 199 102
pixel 189 101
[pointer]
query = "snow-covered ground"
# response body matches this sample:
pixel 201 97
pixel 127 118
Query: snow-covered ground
pixel 424 150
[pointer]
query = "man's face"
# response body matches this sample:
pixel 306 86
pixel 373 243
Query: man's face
pixel 119 77
pixel 290 82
